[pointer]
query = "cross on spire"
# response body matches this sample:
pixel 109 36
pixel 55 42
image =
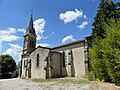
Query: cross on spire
pixel 31 13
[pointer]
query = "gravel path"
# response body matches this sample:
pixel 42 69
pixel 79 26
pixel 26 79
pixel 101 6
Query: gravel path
pixel 20 84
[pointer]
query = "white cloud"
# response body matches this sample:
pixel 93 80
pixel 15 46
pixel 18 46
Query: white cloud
pixel 14 50
pixel 8 35
pixel 70 16
pixel 12 30
pixel 43 45
pixel 21 30
pixel 9 38
pixel 0 47
pixel 68 39
pixel 53 33
pixel 85 23
pixel 39 26
pixel 85 17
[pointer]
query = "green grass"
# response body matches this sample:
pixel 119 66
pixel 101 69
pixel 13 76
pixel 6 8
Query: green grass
pixel 44 80
pixel 62 81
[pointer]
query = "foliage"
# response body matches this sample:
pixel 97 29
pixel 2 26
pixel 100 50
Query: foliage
pixel 107 10
pixel 90 75
pixel 110 46
pixel 7 64
pixel 105 53
pixel 98 64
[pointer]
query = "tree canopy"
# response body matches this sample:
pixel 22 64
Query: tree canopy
pixel 104 53
pixel 7 64
pixel 107 10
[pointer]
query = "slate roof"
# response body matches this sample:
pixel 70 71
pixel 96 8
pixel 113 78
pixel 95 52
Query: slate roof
pixel 30 29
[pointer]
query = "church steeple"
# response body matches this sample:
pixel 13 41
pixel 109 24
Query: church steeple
pixel 30 29
pixel 29 38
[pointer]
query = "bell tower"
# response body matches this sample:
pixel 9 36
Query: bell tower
pixel 29 38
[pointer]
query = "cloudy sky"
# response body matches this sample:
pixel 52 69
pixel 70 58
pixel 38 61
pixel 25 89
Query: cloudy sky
pixel 56 22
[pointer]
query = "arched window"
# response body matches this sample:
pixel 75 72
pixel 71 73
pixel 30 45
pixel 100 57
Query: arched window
pixel 32 42
pixel 64 59
pixel 37 60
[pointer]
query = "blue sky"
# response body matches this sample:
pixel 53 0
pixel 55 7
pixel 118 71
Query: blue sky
pixel 56 22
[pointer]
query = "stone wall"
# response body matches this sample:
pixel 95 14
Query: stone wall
pixel 73 59
pixel 38 71
pixel 25 66
pixel 56 57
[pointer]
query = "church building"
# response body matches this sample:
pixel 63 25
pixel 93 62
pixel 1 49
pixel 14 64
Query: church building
pixel 66 60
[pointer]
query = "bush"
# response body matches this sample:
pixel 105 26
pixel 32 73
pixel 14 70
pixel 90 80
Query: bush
pixel 90 75
pixel 111 50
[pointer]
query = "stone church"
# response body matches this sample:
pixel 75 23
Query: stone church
pixel 66 60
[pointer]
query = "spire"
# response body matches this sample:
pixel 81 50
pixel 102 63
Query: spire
pixel 30 28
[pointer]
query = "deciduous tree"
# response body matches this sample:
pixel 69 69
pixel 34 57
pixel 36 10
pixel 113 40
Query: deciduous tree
pixel 7 64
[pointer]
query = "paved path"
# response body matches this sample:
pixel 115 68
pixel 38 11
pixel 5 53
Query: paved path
pixel 20 84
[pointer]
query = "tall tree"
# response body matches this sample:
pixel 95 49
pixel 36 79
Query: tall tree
pixel 107 10
pixel 110 47
pixel 7 64
pixel 105 53
pixel 97 62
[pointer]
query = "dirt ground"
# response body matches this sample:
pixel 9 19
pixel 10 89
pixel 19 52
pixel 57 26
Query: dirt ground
pixel 62 84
